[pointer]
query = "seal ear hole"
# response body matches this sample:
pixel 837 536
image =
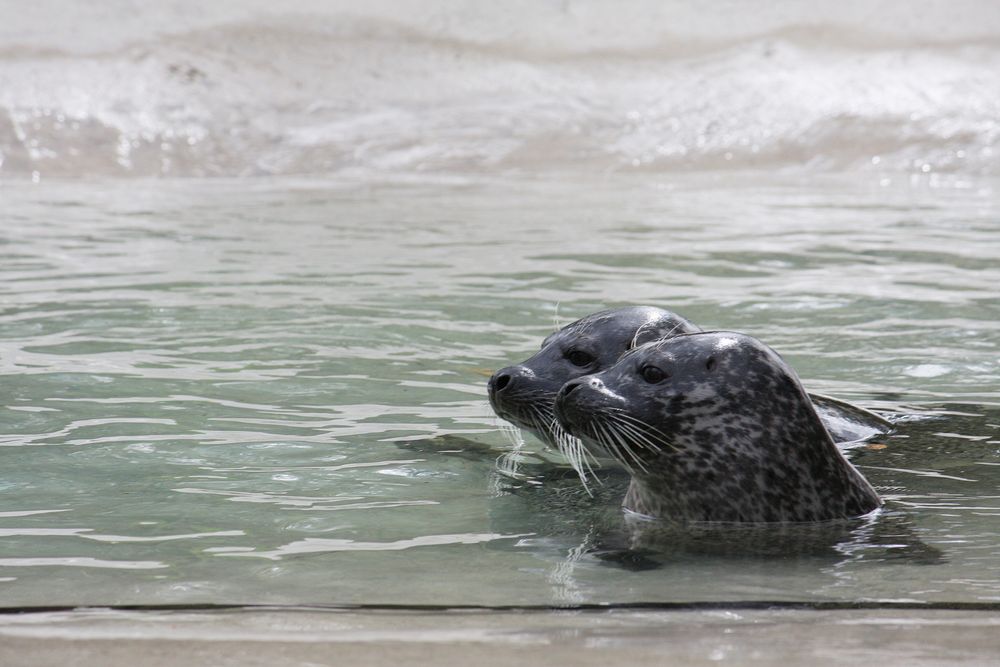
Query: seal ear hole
pixel 710 364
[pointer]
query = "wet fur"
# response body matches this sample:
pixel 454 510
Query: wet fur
pixel 730 435
pixel 528 400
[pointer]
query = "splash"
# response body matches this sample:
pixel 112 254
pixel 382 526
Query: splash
pixel 329 88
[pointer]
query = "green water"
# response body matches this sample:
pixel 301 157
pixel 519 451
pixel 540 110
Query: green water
pixel 273 391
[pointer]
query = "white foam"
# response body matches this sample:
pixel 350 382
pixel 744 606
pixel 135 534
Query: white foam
pixel 243 88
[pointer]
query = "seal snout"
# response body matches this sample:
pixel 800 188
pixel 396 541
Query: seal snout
pixel 499 382
pixel 573 385
pixel 506 383
pixel 566 407
pixel 578 399
pixel 568 387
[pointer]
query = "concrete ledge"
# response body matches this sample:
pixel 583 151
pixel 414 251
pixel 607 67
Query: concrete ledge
pixel 254 637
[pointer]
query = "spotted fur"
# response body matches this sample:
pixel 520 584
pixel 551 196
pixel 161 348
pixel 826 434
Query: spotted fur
pixel 524 394
pixel 714 427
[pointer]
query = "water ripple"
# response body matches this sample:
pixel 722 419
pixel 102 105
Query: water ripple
pixel 198 369
pixel 82 562
pixel 322 545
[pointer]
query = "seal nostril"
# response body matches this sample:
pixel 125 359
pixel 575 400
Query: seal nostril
pixel 501 381
pixel 568 387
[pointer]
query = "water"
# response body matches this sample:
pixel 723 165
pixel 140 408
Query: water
pixel 272 389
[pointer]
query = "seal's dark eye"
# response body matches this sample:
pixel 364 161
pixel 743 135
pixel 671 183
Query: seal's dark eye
pixel 580 358
pixel 652 374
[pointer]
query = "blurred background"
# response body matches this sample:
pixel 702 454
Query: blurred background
pixel 233 88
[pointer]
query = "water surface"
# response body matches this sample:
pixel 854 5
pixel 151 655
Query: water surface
pixel 273 390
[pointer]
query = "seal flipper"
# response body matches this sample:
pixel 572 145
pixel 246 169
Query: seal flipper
pixel 847 423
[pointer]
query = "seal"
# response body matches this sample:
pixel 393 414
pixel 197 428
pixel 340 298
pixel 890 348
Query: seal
pixel 714 427
pixel 524 393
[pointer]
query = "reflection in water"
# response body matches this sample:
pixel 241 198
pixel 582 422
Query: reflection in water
pixel 201 374
pixel 320 545
pixel 896 535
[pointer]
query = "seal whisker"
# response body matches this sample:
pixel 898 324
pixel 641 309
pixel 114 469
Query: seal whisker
pixel 657 444
pixel 534 395
pixel 646 431
pixel 511 433
pixel 664 336
pixel 613 444
pixel 540 417
pixel 626 433
pixel 639 439
pixel 624 446
pixel 573 449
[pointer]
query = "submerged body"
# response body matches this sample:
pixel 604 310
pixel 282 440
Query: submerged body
pixel 714 427
pixel 524 394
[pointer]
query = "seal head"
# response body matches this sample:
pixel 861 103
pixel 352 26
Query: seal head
pixel 714 427
pixel 524 394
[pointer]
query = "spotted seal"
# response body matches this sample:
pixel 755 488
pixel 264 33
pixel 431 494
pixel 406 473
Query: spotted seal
pixel 523 394
pixel 714 426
